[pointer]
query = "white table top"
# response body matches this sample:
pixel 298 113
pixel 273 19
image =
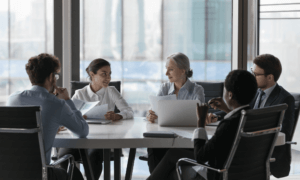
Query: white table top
pixel 129 134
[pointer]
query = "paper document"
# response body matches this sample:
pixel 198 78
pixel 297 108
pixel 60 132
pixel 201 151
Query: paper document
pixel 97 112
pixel 83 106
pixel 155 99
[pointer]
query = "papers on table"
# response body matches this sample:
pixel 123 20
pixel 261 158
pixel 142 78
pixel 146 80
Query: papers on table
pixel 97 112
pixel 90 109
pixel 155 99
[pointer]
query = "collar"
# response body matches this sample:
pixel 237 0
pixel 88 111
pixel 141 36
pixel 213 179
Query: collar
pixel 91 93
pixel 39 88
pixel 89 90
pixel 234 111
pixel 269 90
pixel 188 85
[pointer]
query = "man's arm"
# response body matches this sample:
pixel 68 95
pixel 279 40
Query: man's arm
pixel 72 119
pixel 288 120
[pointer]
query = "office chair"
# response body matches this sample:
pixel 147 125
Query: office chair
pixel 252 148
pixel 22 146
pixel 212 90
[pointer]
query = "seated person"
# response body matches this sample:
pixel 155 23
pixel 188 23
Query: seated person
pixel 178 72
pixel 239 90
pixel 99 72
pixel 57 110
pixel 267 70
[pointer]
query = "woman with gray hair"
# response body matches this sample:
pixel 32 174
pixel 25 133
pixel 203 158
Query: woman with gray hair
pixel 178 72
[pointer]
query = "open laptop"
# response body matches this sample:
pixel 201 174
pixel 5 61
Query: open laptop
pixel 98 121
pixel 177 113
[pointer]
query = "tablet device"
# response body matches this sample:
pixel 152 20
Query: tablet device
pixel 98 121
pixel 160 134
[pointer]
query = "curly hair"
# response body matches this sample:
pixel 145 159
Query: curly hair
pixel 243 86
pixel 270 64
pixel 40 67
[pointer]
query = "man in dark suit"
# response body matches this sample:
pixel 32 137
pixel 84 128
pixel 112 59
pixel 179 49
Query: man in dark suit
pixel 267 69
pixel 240 88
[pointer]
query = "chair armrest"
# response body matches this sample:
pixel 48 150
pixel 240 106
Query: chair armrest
pixel 68 157
pixel 272 159
pixel 290 142
pixel 194 162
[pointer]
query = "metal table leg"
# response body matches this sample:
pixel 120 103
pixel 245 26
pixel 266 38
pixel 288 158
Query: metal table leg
pixel 86 164
pixel 130 164
pixel 117 164
pixel 106 158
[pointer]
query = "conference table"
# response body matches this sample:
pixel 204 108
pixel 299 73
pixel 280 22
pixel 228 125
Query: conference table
pixel 128 134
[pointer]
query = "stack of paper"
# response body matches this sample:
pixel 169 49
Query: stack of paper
pixel 90 109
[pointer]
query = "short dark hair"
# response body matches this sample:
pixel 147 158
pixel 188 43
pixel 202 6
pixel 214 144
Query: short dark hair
pixel 40 67
pixel 95 65
pixel 243 86
pixel 270 64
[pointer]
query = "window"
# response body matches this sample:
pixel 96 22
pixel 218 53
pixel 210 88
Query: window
pixel 26 30
pixel 137 36
pixel 279 26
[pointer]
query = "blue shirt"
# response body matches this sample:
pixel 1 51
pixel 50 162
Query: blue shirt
pixel 189 91
pixel 55 113
pixel 265 96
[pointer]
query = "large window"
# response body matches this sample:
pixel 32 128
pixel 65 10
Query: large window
pixel 26 29
pixel 137 36
pixel 279 35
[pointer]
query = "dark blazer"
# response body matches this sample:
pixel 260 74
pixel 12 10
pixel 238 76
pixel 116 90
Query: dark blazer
pixel 217 149
pixel 282 154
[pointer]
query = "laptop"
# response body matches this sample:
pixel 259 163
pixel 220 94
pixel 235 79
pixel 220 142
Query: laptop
pixel 177 113
pixel 98 121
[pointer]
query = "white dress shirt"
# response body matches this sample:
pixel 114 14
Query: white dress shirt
pixel 106 95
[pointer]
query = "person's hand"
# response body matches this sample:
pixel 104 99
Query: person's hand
pixel 110 115
pixel 151 116
pixel 84 117
pixel 61 93
pixel 218 103
pixel 211 118
pixel 61 129
pixel 201 114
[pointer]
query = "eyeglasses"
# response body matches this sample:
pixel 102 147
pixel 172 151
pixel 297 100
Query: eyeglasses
pixel 56 75
pixel 254 74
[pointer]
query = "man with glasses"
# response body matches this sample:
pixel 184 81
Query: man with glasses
pixel 57 108
pixel 267 70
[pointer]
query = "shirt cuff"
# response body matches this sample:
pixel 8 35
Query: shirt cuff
pixel 123 115
pixel 200 133
pixel 71 104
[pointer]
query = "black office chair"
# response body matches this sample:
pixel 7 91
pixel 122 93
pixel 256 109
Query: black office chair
pixel 22 146
pixel 252 148
pixel 79 85
pixel 297 110
pixel 212 90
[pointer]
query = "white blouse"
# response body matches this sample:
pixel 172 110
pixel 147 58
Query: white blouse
pixel 109 95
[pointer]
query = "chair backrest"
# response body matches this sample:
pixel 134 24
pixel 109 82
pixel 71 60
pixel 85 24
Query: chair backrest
pixel 212 90
pixel 22 150
pixel 297 110
pixel 254 143
pixel 79 85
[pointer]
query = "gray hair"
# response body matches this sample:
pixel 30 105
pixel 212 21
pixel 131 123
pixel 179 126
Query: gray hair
pixel 182 62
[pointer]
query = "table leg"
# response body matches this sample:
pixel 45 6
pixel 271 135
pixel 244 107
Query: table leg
pixel 106 157
pixel 130 164
pixel 86 164
pixel 117 164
